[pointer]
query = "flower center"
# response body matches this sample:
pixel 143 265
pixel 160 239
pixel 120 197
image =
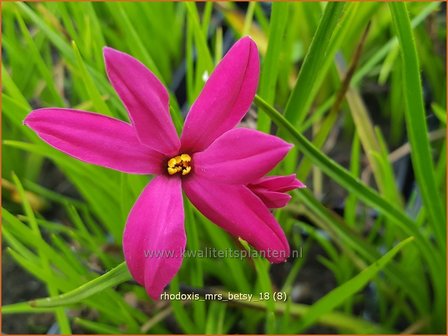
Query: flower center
pixel 179 164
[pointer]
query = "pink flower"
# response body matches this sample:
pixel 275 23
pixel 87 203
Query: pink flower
pixel 218 166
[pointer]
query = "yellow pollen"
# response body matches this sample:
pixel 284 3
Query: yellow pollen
pixel 179 164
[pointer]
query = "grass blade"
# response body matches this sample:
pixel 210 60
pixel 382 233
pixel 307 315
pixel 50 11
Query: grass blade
pixel 341 293
pixel 112 278
pixel 416 122
pixel 301 97
pixel 422 162
pixel 270 69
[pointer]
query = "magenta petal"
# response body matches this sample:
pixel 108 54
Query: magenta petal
pixel 279 183
pixel 237 210
pixel 96 139
pixel 240 156
pixel 272 189
pixel 154 237
pixel 226 97
pixel 146 101
pixel 272 199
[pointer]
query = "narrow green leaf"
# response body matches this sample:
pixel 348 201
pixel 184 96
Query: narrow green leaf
pixel 439 112
pixel 204 64
pixel 135 42
pixel 24 307
pixel 112 278
pixel 89 83
pixel 301 97
pixel 378 56
pixel 338 295
pixel 98 328
pixel 422 161
pixel 197 274
pixel 40 63
pixel 249 18
pixel 358 250
pixel 45 264
pixel 179 310
pixel 331 319
pixel 270 67
pixel 416 122
pixel 262 268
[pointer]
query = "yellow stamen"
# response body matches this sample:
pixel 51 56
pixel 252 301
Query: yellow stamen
pixel 186 170
pixel 172 162
pixel 179 164
pixel 184 157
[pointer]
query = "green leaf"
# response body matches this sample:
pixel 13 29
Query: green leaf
pixel 338 295
pixel 330 319
pixel 249 18
pixel 262 268
pixel 44 69
pixel 89 83
pixel 301 96
pixel 358 250
pixel 204 59
pixel 134 40
pixel 391 44
pixel 439 112
pixel 98 328
pixel 112 278
pixel 45 264
pixel 422 161
pixel 416 122
pixel 270 67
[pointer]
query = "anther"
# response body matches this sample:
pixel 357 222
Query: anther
pixel 179 164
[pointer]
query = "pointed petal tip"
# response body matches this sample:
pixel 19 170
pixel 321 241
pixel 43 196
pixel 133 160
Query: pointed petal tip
pixel 33 116
pixel 155 223
pixel 227 96
pixel 108 51
pixel 249 43
pixel 29 116
pixel 280 257
pixel 108 55
pixel 247 39
pixel 297 184
pixel 286 146
pixel 155 295
pixel 145 98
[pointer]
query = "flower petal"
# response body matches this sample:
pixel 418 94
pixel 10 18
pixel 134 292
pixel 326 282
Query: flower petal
pixel 154 238
pixel 278 183
pixel 240 156
pixel 96 139
pixel 145 99
pixel 226 97
pixel 272 199
pixel 237 210
pixel 272 189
